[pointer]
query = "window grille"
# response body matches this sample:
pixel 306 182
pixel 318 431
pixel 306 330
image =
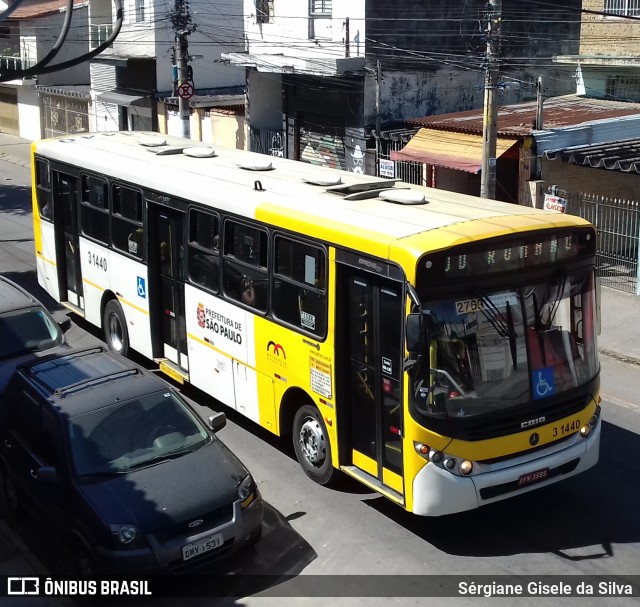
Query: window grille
pixel 624 8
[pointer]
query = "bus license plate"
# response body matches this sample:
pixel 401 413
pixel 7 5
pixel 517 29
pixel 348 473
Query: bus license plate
pixel 206 544
pixel 533 477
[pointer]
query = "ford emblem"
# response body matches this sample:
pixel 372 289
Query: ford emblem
pixel 196 523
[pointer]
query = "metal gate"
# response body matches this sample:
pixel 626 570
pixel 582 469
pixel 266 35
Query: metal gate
pixel 617 222
pixel 9 111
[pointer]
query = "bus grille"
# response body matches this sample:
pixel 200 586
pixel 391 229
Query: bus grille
pixel 512 424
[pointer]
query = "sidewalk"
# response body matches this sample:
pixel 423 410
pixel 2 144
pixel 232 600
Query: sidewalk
pixel 619 325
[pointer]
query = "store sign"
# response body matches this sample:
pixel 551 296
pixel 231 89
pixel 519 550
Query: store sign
pixel 555 204
pixel 387 168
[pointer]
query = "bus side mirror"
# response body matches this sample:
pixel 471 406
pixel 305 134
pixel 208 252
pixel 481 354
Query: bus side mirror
pixel 414 333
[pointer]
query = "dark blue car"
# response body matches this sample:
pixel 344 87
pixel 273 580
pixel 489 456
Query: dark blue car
pixel 115 460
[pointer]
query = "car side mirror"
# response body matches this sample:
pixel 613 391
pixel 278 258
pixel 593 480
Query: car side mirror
pixel 65 324
pixel 47 474
pixel 217 421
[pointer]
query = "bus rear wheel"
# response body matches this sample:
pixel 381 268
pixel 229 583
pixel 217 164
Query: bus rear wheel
pixel 115 330
pixel 312 447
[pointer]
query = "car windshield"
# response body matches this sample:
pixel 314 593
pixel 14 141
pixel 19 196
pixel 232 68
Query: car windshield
pixel 29 330
pixel 500 348
pixel 133 434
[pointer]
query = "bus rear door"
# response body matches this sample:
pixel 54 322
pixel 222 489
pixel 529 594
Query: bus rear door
pixel 166 284
pixel 65 211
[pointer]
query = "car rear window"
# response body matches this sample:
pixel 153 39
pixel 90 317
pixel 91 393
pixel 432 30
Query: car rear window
pixel 29 330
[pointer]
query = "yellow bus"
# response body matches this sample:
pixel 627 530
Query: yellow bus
pixel 440 348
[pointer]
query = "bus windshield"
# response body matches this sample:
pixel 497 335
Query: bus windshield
pixel 494 349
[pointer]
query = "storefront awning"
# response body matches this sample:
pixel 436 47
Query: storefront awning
pixel 460 151
pixel 122 99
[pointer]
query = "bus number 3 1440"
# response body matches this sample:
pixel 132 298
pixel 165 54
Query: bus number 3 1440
pixel 98 261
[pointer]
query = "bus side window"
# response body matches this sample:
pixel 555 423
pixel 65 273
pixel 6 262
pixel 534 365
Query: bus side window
pixel 203 257
pixel 127 231
pixel 43 189
pixel 245 275
pixel 299 278
pixel 94 208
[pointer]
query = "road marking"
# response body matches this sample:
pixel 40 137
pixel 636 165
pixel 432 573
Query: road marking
pixel 621 403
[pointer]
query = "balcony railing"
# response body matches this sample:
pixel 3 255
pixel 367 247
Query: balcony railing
pixel 11 64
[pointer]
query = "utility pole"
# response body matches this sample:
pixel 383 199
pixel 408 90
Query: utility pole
pixel 183 26
pixel 489 126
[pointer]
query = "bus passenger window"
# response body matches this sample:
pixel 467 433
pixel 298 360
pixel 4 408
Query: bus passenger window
pixel 299 285
pixel 127 231
pixel 245 277
pixel 203 260
pixel 43 189
pixel 94 208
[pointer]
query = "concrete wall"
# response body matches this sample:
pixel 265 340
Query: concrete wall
pixel 574 178
pixel 29 112
pixel 75 45
pixel 608 36
pixel 289 32
pixel 265 100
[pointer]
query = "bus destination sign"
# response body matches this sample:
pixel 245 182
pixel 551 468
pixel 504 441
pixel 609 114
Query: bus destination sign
pixel 508 256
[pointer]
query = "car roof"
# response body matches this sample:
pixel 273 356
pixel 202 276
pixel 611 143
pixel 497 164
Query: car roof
pixel 86 380
pixel 14 297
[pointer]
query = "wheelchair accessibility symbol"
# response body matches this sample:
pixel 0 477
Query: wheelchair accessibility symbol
pixel 142 289
pixel 543 383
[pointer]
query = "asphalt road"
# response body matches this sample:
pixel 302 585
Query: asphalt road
pixel 586 526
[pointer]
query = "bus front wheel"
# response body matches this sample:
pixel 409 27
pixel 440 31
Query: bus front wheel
pixel 311 444
pixel 114 326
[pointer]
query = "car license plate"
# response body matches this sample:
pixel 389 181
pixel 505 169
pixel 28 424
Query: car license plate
pixel 533 477
pixel 206 544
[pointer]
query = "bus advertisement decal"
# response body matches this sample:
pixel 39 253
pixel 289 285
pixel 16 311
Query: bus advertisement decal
pixel 320 372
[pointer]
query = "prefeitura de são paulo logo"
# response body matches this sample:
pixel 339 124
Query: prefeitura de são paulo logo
pixel 201 315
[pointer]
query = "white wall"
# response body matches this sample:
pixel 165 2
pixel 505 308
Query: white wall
pixel 290 29
pixel 29 112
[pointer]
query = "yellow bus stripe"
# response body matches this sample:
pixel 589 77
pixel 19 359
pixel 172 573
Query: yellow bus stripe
pixel 120 299
pixel 46 259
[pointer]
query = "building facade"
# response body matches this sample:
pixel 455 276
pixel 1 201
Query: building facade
pixel 328 80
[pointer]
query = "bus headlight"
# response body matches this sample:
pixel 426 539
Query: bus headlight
pixel 466 467
pixel 436 457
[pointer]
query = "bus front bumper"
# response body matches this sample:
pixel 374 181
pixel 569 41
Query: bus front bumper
pixel 437 492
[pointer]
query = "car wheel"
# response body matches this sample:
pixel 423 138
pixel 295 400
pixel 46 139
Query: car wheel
pixel 86 567
pixel 114 326
pixel 11 494
pixel 311 444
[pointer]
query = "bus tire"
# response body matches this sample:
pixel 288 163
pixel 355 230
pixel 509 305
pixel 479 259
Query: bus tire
pixel 114 326
pixel 311 444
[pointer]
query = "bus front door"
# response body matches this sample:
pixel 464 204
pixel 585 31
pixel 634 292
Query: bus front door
pixel 372 335
pixel 166 282
pixel 65 209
